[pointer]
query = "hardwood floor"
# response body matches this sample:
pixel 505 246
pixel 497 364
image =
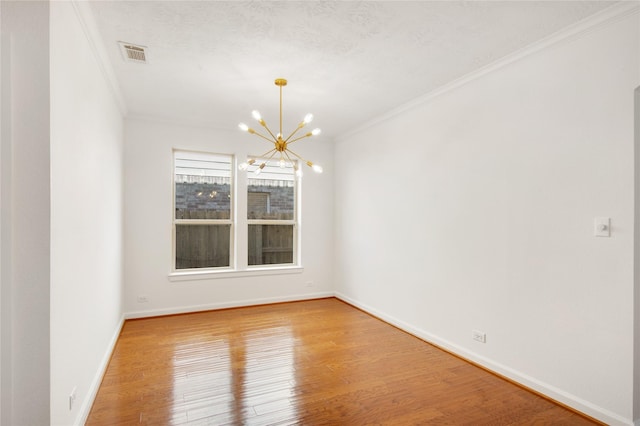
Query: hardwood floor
pixel 319 362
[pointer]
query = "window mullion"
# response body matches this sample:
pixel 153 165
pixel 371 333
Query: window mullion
pixel 241 231
pixel 270 222
pixel 203 221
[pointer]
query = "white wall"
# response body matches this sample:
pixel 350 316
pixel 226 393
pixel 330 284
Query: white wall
pixel 636 273
pixel 86 216
pixel 474 210
pixel 25 213
pixel 148 215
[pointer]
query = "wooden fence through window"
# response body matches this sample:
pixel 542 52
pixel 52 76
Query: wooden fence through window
pixel 208 245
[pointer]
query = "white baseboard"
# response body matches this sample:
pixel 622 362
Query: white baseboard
pixel 83 413
pixel 226 305
pixel 532 383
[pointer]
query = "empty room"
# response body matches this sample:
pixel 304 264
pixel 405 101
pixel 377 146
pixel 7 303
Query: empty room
pixel 319 212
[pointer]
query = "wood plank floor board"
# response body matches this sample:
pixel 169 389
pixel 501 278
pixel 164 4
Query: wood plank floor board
pixel 319 362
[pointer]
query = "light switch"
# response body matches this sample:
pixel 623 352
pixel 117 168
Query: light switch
pixel 602 227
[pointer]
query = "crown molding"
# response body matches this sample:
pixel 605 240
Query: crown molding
pixel 610 15
pixel 90 29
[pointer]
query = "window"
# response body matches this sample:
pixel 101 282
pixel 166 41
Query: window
pixel 203 206
pixel 211 238
pixel 272 216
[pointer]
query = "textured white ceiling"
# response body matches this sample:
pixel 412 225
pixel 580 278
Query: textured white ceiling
pixel 212 62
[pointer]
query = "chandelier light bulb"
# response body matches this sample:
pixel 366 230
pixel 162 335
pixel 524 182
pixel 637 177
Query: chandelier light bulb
pixel 256 115
pixel 282 163
pixel 259 169
pixel 245 165
pixel 308 118
pixel 316 167
pixel 316 132
pixel 243 127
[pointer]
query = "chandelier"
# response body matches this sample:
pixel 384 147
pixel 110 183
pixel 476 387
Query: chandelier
pixel 280 150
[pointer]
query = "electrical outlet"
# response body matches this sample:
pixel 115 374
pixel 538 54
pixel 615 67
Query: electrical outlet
pixel 72 398
pixel 479 336
pixel 143 299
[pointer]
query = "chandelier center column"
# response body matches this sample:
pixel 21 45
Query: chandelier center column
pixel 281 82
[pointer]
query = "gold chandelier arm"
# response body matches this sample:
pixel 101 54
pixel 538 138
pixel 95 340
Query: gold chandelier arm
pixel 264 157
pixel 300 126
pixel 316 168
pixel 288 150
pixel 253 132
pixel 270 157
pixel 262 122
pixel 286 153
pixel 301 137
pixel 267 153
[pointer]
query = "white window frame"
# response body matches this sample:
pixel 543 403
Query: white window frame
pixel 230 221
pixel 295 222
pixel 238 264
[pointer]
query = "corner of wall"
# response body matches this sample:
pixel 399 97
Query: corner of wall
pixel 87 21
pixel 636 261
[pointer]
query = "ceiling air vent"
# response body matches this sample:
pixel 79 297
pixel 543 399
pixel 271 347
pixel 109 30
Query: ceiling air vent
pixel 133 53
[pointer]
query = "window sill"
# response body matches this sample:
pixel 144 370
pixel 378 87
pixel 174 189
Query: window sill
pixel 227 273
